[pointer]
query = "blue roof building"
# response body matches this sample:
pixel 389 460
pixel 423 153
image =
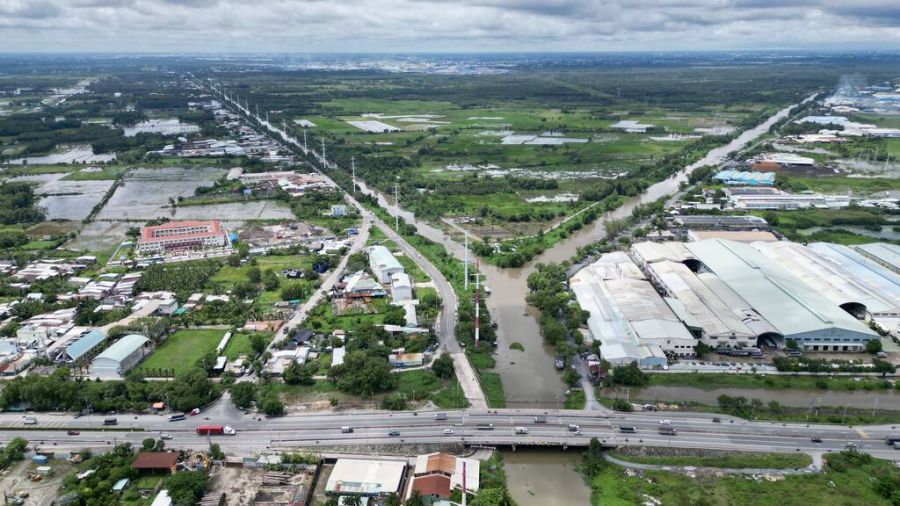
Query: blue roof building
pixel 84 344
pixel 745 178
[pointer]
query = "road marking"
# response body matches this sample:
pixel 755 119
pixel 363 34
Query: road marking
pixel 862 433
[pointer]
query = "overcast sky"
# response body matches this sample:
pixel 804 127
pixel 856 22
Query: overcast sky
pixel 445 25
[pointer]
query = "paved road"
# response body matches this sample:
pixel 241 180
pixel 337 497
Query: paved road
pixel 373 427
pixel 445 327
pixel 327 284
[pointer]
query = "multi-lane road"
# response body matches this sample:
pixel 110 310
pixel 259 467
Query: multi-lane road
pixel 257 434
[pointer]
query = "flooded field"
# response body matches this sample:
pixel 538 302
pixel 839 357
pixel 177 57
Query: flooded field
pixel 145 193
pixel 538 477
pixel 256 210
pixel 66 200
pixel 100 236
pixel 79 154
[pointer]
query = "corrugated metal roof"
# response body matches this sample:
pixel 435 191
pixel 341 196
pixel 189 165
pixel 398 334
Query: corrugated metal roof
pixel 382 257
pixel 84 344
pixel 123 347
pixel 882 252
pixel 789 304
pixel 838 273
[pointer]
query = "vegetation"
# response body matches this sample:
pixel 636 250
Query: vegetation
pixel 849 478
pixel 61 392
pixel 735 460
pixel 711 381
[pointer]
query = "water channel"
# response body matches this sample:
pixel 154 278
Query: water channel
pixel 536 476
pixel 529 377
pixel 541 477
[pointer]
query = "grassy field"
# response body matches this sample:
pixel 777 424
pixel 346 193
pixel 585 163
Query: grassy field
pixel 423 385
pixel 229 274
pixel 181 351
pixel 734 460
pixel 715 381
pixel 240 344
pixel 852 485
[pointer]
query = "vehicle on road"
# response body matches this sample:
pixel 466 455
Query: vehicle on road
pixel 521 430
pixel 665 422
pixel 627 429
pixel 346 430
pixel 448 432
pixel 110 421
pixel 816 439
pixel 176 417
pixel 29 420
pixel 540 419
pixel 215 430
pixel 578 432
pixel 73 432
pixel 668 430
pixel 891 440
pixel 195 411
pixel 485 426
pixel 394 433
pixel 717 420
pixel 440 416
pixel 574 428
pixel 165 435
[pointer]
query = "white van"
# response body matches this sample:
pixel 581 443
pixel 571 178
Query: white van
pixel 521 430
pixel 346 429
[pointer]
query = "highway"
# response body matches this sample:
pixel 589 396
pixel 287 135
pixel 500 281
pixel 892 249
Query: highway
pixel 259 435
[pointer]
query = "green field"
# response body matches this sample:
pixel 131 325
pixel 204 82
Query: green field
pixel 715 381
pixel 735 460
pixel 181 351
pixel 850 484
pixel 240 344
pixel 229 274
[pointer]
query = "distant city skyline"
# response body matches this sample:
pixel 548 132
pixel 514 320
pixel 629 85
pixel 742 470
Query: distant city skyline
pixel 445 25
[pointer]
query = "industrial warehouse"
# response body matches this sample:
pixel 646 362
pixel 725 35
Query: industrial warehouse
pixel 659 299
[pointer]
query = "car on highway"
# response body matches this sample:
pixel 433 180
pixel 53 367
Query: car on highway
pixel 394 433
pixel 574 428
pixel 448 432
pixel 816 439
pixel 485 426
pixel 717 420
pixel 195 411
pixel 73 432
pixel 165 435
pixel 540 419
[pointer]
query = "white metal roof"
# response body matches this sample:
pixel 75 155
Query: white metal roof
pixel 355 476
pixel 839 273
pixel 123 348
pixel 383 258
pixel 789 304
pixel 883 253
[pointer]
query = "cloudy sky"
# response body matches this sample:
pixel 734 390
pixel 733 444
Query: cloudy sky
pixel 445 25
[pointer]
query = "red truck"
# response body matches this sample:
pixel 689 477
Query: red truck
pixel 215 430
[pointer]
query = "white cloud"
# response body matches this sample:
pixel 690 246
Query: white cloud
pixel 444 25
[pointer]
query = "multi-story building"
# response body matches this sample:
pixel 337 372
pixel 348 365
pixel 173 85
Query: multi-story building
pixel 182 235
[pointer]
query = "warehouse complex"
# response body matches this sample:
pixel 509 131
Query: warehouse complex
pixel 630 319
pixel 659 299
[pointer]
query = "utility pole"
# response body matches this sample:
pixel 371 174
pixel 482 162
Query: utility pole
pixel 477 303
pixel 397 206
pixel 466 263
pixel 353 168
pixel 305 150
pixel 324 160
